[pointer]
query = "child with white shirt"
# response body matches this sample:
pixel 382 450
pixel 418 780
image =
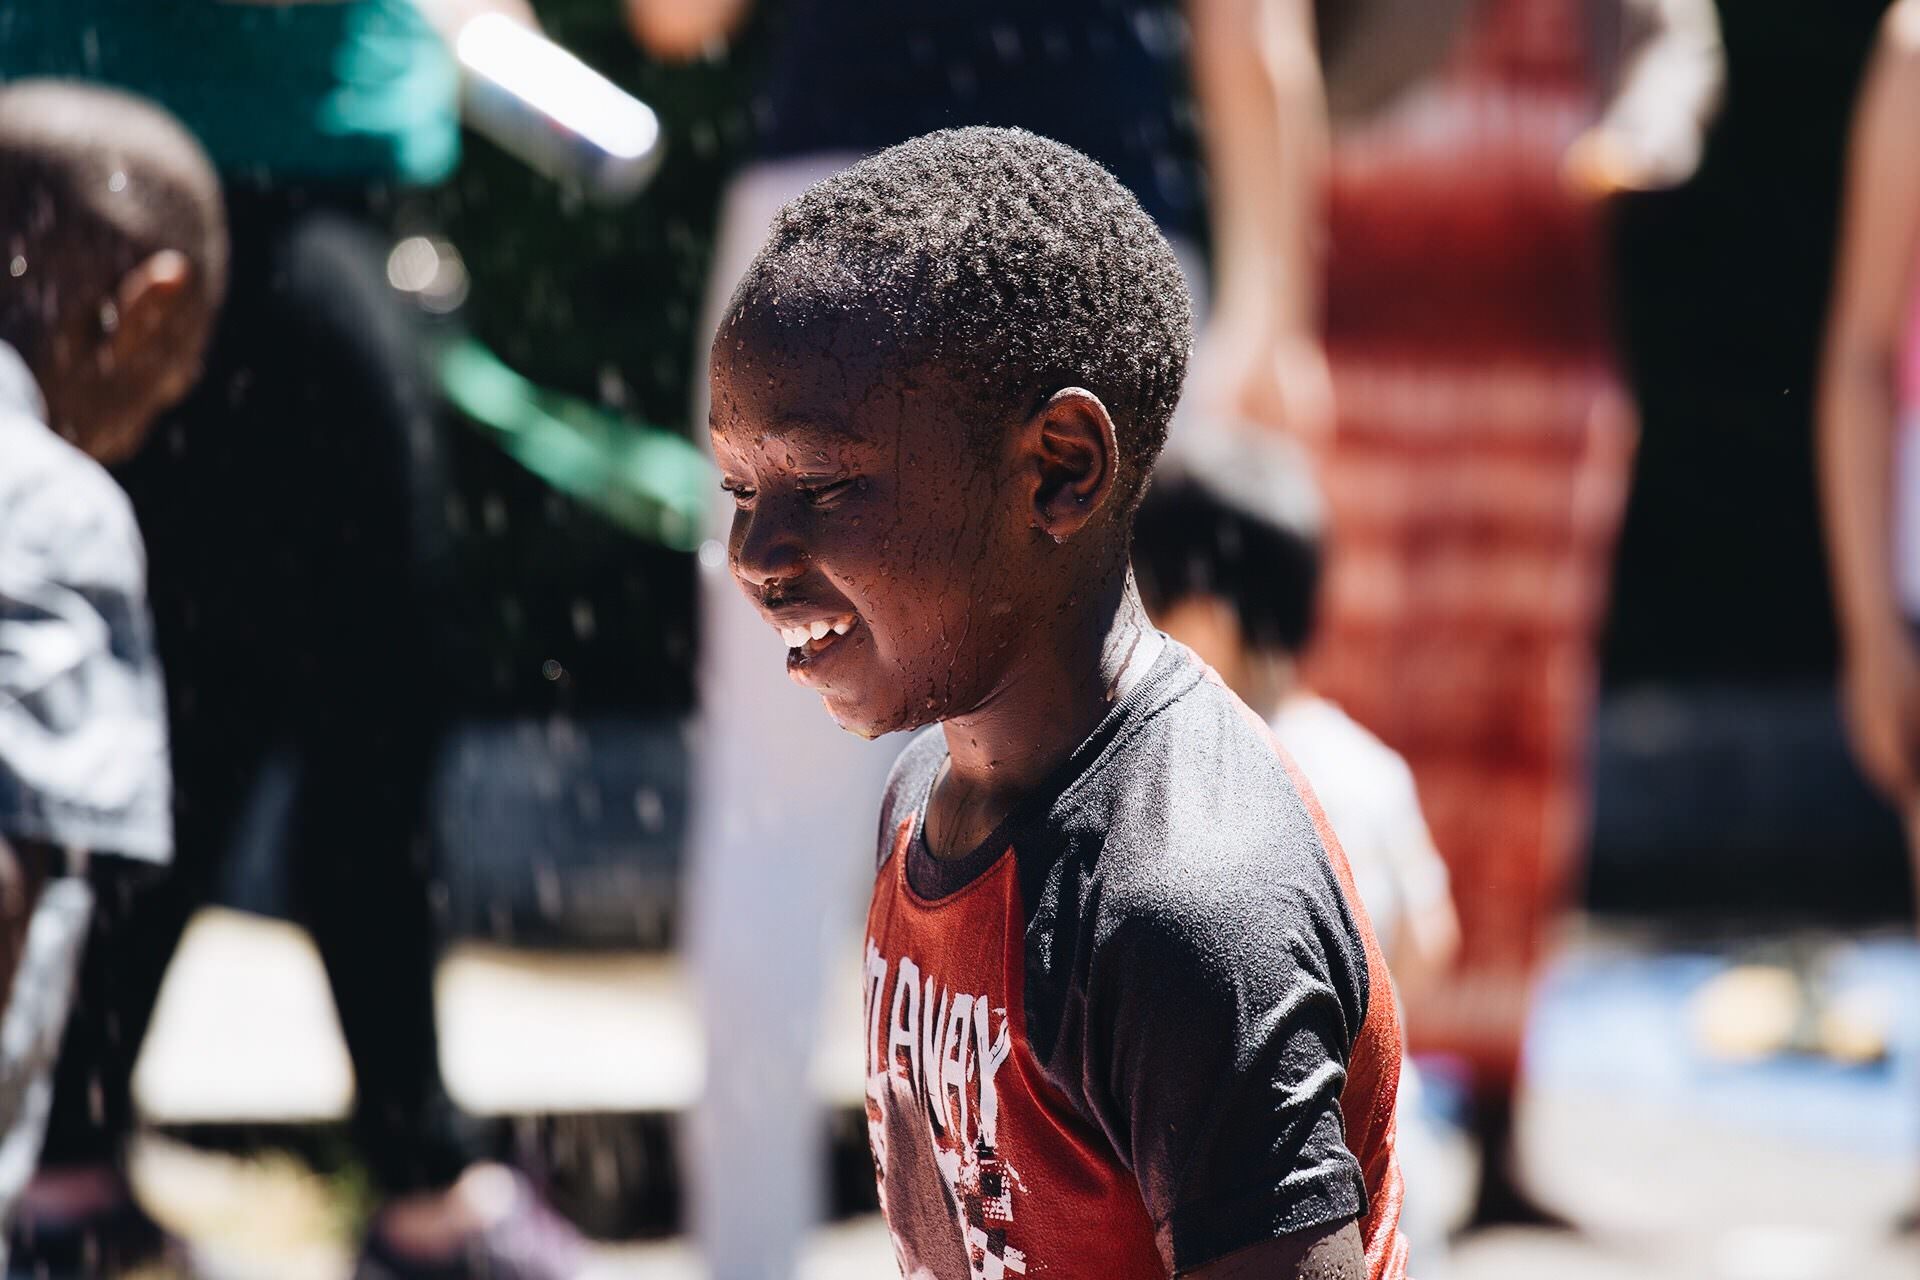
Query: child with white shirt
pixel 114 239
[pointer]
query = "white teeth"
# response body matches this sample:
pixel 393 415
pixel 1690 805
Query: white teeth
pixel 797 636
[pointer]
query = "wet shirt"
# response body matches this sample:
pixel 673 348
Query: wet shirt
pixel 1143 1026
pixel 342 90
pixel 1106 77
pixel 83 750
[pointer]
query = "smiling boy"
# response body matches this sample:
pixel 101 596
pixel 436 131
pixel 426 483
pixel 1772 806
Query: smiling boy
pixel 1124 1014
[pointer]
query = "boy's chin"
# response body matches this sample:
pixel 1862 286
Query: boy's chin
pixel 865 719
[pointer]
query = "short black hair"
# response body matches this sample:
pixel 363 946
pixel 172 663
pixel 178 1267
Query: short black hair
pixel 1240 520
pixel 93 181
pixel 1012 262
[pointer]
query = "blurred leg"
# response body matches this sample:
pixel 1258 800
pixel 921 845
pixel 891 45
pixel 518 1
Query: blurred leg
pixel 134 930
pixel 363 716
pixel 786 806
pixel 45 942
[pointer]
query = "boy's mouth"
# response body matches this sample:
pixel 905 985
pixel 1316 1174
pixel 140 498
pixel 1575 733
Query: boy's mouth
pixel 807 639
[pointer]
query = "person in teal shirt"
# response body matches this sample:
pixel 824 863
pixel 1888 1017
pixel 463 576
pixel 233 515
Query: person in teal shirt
pixel 343 92
pixel 289 508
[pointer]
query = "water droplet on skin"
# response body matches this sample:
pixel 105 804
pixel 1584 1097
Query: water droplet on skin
pixel 118 182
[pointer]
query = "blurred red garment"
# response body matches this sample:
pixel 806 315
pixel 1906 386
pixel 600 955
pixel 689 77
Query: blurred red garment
pixel 1477 478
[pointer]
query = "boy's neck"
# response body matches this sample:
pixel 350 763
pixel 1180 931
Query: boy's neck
pixel 1051 702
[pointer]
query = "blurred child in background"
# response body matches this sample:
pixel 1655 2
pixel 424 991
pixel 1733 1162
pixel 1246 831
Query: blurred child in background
pixel 293 513
pixel 115 241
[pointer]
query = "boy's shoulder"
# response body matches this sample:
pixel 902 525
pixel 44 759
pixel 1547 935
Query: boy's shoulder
pixel 1196 797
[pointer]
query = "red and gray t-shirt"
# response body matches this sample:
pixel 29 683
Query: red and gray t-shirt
pixel 1143 1026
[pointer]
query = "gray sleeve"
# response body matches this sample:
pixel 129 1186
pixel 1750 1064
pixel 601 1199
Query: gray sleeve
pixel 83 740
pixel 1221 1022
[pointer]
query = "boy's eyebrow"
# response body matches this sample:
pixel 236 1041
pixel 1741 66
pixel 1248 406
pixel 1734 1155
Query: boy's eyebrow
pixel 798 424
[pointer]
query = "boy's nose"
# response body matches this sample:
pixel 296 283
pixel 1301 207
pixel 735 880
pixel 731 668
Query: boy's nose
pixel 765 550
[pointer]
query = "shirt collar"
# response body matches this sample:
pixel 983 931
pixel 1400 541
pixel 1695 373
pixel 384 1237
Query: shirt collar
pixel 18 390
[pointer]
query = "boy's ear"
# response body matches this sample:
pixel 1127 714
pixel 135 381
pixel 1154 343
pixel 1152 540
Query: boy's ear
pixel 1074 452
pixel 150 301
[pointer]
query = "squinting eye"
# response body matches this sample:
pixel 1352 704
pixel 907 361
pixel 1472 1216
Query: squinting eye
pixel 742 494
pixel 821 495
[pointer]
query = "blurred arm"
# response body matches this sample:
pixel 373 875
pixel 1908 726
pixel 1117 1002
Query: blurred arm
pixel 1426 932
pixel 1425 950
pixel 678 30
pixel 1654 128
pixel 1263 117
pixel 1873 288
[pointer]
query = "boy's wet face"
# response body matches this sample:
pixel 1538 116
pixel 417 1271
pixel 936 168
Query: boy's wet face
pixel 874 530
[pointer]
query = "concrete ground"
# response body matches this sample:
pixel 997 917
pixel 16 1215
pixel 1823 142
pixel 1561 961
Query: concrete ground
pixel 252 1219
pixel 245 1033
